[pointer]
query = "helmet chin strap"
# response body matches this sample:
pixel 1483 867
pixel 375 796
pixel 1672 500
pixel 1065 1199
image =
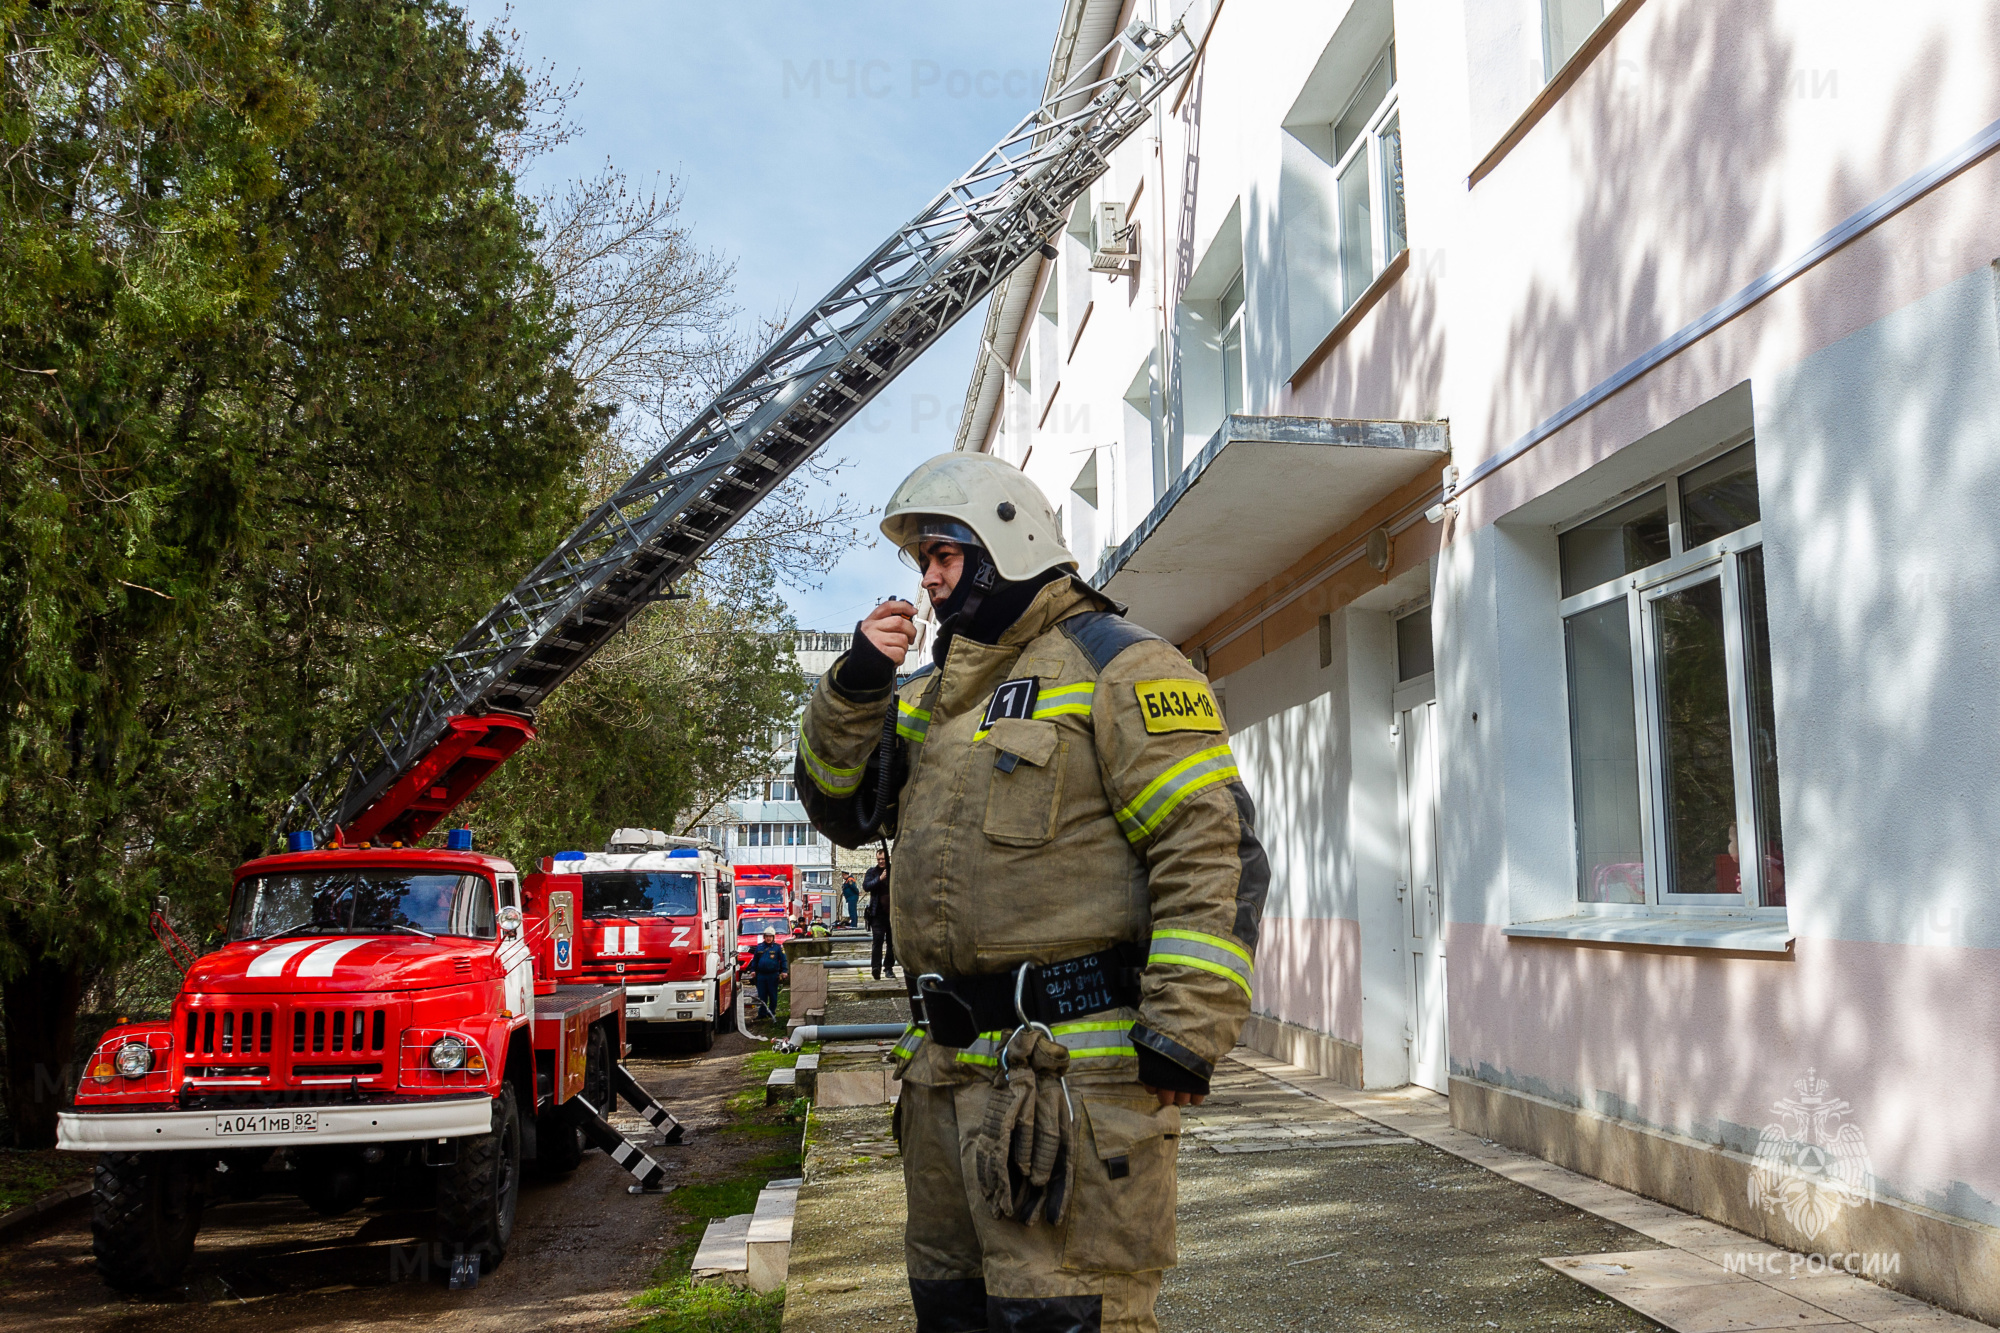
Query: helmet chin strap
pixel 984 579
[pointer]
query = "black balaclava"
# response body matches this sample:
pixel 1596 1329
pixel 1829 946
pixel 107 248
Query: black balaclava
pixel 983 606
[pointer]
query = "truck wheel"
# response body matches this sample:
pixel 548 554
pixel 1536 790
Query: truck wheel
pixel 145 1210
pixel 477 1193
pixel 597 1072
pixel 558 1144
pixel 702 1038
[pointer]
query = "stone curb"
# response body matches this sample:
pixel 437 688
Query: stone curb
pixel 14 1218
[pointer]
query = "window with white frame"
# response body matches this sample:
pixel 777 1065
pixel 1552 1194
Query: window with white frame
pixel 1368 174
pixel 1673 744
pixel 776 835
pixel 1230 316
pixel 783 789
pixel 1565 25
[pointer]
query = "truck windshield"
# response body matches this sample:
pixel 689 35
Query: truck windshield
pixel 639 893
pixel 760 895
pixel 362 902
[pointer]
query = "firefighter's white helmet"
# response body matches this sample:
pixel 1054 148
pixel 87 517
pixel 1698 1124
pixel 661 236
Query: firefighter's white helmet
pixel 993 501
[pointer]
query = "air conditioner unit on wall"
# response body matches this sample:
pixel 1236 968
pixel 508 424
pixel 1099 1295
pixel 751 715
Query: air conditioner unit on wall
pixel 1113 252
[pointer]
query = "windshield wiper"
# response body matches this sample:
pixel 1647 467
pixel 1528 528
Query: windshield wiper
pixel 296 928
pixel 395 925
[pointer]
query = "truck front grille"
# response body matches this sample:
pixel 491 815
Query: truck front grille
pixel 320 1031
pixel 240 1032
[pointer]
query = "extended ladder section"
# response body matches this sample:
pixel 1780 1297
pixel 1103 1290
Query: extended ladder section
pixel 815 378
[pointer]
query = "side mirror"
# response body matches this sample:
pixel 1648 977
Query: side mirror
pixel 510 922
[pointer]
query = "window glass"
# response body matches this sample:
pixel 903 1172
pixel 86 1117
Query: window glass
pixel 362 902
pixel 1361 110
pixel 1357 241
pixel 760 893
pixel 1394 228
pixel 509 895
pixel 1565 25
pixel 1231 314
pixel 1604 756
pixel 1698 772
pixel 1719 497
pixel 1628 538
pixel 1763 724
pixel 639 893
pixel 1413 645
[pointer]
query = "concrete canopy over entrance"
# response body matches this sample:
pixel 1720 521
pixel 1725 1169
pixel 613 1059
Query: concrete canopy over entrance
pixel 1262 492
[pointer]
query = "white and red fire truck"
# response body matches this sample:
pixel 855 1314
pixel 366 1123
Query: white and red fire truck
pixel 766 896
pixel 375 1019
pixel 651 912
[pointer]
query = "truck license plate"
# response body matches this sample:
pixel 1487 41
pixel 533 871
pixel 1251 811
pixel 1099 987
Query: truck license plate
pixel 267 1122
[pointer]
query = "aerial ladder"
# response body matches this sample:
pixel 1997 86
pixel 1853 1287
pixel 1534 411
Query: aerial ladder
pixel 427 751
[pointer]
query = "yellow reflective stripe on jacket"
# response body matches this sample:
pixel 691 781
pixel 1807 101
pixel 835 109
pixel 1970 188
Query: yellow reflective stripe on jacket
pixel 985 1050
pixel 1058 701
pixel 1210 953
pixel 1066 700
pixel 1097 1041
pixel 833 781
pixel 1164 794
pixel 912 723
pixel 906 1045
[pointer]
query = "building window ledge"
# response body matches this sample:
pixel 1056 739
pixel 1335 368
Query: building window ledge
pixel 1363 303
pixel 1552 91
pixel 1761 934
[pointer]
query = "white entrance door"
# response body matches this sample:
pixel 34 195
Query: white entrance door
pixel 1423 914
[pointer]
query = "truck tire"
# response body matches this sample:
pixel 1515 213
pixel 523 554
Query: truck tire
pixel 477 1193
pixel 145 1209
pixel 702 1038
pixel 597 1071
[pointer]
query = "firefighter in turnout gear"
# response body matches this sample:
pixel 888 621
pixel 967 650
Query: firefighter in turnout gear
pixel 1076 901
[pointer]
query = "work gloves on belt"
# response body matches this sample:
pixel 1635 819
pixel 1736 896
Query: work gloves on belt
pixel 1024 1153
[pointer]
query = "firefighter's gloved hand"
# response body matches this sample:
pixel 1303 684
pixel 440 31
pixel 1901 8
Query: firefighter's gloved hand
pixel 1023 1156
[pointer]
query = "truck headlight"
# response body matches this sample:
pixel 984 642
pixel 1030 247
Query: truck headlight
pixel 134 1058
pixel 447 1053
pixel 691 996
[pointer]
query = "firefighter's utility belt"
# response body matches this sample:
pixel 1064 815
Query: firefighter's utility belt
pixel 955 1010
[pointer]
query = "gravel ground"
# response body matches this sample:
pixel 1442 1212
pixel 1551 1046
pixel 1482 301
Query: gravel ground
pixel 1375 1236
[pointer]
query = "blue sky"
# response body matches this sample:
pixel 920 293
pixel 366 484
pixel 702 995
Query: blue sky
pixel 801 134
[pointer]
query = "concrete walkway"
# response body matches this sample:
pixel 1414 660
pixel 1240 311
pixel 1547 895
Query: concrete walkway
pixel 1305 1206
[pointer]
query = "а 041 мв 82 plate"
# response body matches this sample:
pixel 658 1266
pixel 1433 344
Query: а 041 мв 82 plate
pixel 267 1122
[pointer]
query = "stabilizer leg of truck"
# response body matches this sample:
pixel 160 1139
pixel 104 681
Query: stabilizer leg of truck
pixel 642 1101
pixel 649 1173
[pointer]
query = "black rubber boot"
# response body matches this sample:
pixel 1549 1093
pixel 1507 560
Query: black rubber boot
pixel 949 1305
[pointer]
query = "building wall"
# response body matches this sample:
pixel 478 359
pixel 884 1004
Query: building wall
pixel 1565 252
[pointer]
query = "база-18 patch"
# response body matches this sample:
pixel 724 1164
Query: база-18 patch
pixel 1178 705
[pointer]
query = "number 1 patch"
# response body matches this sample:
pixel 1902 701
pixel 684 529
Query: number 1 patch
pixel 1014 698
pixel 1178 705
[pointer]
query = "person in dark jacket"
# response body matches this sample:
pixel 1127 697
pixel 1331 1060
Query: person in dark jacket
pixel 769 966
pixel 876 884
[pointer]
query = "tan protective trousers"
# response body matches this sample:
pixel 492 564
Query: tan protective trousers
pixel 1097 1271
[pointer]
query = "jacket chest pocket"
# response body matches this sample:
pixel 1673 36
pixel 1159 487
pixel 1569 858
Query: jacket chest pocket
pixel 1027 758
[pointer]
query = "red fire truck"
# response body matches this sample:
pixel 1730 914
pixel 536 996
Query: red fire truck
pixel 375 1013
pixel 765 896
pixel 651 913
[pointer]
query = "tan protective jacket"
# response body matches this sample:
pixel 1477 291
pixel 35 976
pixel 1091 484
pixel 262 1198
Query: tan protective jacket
pixel 1065 790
